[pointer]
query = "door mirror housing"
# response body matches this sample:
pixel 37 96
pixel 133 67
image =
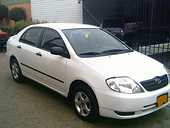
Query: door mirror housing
pixel 59 51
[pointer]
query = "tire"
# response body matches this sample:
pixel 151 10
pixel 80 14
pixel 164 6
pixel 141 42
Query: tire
pixel 16 71
pixel 85 103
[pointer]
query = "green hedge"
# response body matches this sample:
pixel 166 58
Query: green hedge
pixel 18 27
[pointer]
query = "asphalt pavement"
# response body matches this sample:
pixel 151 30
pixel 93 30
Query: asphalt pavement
pixel 31 105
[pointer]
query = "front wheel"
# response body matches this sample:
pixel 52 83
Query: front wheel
pixel 85 103
pixel 16 71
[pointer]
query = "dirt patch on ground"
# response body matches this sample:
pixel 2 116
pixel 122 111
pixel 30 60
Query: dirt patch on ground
pixel 30 105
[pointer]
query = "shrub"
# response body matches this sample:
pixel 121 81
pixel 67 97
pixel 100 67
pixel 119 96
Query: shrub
pixel 3 11
pixel 18 27
pixel 17 14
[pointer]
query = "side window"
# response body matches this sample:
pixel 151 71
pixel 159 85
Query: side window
pixel 32 36
pixel 51 39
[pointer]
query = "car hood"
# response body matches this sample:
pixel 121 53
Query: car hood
pixel 134 65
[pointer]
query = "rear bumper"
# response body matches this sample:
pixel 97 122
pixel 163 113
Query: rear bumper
pixel 128 106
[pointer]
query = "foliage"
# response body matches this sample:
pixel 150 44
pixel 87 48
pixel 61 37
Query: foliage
pixel 13 2
pixel 3 11
pixel 12 30
pixel 17 14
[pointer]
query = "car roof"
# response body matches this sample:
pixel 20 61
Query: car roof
pixel 63 26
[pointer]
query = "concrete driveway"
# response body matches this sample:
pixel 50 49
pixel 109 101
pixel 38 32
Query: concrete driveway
pixel 30 105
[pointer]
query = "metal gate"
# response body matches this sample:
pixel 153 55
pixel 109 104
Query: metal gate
pixel 143 24
pixel 153 36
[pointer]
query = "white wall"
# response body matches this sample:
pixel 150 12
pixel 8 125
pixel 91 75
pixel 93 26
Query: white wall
pixel 57 10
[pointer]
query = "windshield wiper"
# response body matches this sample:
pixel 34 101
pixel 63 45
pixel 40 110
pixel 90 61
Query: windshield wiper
pixel 90 53
pixel 111 51
pixel 117 51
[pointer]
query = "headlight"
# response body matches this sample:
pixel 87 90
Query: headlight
pixel 124 85
pixel 168 72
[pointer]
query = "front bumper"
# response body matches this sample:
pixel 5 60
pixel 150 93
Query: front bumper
pixel 128 106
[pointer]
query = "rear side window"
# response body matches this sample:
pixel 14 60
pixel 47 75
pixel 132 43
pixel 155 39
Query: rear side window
pixel 32 36
pixel 51 39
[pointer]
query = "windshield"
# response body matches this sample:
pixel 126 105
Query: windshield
pixel 94 42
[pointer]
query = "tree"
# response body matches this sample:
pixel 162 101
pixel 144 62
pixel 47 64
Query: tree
pixel 17 14
pixel 3 11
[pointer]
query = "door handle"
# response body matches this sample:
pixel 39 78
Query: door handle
pixel 19 46
pixel 38 54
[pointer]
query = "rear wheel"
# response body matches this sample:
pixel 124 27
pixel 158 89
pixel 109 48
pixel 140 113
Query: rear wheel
pixel 85 103
pixel 16 71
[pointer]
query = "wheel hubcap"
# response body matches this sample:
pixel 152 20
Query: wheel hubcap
pixel 15 70
pixel 82 104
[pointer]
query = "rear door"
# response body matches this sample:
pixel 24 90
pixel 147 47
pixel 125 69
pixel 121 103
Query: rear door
pixel 29 51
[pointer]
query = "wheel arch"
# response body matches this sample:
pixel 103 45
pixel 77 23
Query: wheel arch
pixel 13 60
pixel 12 57
pixel 78 83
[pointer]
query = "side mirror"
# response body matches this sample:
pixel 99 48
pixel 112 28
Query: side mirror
pixel 59 51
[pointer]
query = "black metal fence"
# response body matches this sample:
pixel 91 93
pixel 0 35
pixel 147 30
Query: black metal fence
pixel 155 45
pixel 161 52
pixel 143 24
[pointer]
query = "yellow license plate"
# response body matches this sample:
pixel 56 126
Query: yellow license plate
pixel 161 100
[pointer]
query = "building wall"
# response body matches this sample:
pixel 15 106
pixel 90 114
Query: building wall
pixel 57 10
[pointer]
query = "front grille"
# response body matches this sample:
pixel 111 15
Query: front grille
pixel 155 83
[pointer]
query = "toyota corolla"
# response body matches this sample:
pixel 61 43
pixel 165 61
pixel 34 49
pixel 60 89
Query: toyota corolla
pixel 95 70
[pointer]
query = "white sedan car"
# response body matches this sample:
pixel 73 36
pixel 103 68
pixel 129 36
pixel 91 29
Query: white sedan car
pixel 94 69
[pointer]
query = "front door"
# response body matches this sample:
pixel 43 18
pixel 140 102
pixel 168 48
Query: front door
pixel 52 68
